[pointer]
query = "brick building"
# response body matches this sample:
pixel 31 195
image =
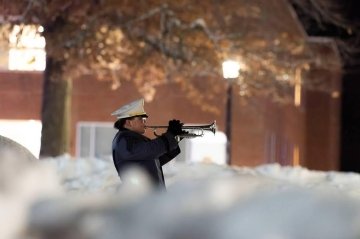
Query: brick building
pixel 305 132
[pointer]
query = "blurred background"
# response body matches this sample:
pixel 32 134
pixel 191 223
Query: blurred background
pixel 290 96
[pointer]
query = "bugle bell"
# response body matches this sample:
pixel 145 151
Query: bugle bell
pixel 195 130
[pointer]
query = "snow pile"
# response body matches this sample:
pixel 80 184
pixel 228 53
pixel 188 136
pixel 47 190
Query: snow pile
pixel 83 198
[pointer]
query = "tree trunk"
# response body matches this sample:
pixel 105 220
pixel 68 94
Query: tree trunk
pixel 56 106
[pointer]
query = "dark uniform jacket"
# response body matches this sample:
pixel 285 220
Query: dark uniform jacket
pixel 133 149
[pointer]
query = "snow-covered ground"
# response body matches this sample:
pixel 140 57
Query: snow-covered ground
pixel 83 198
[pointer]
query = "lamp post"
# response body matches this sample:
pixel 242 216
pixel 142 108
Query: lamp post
pixel 231 70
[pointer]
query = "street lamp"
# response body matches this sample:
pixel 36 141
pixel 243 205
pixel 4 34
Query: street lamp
pixel 231 70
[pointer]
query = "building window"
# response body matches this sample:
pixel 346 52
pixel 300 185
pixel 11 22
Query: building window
pixel 27 49
pixel 270 147
pixel 94 139
pixel 25 132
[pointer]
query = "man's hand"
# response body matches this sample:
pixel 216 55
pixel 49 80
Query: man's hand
pixel 175 127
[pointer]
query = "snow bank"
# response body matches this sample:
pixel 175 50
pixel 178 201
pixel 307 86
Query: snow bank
pixel 83 198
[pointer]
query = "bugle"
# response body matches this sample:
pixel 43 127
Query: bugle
pixel 193 130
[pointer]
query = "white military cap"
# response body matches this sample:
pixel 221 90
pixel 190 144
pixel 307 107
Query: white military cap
pixel 135 108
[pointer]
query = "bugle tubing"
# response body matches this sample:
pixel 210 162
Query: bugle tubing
pixel 193 127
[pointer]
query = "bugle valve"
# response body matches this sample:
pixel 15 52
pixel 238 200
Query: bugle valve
pixel 193 130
